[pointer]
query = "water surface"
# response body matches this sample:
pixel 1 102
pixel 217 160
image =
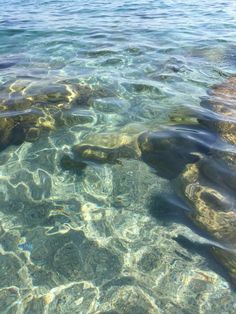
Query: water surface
pixel 92 240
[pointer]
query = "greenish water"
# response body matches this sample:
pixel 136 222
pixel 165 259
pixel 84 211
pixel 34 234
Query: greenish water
pixel 96 240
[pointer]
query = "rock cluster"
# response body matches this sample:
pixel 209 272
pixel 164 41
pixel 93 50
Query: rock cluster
pixel 199 159
pixel 29 108
pixel 208 186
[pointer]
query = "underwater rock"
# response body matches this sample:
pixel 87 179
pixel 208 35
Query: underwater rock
pixel 50 94
pixel 68 163
pixel 209 185
pixel 5 131
pixel 35 305
pixel 9 239
pixel 98 154
pixel 41 277
pixel 127 299
pixel 9 273
pixel 167 150
pixel 108 149
pixel 202 170
pixel 29 108
pixel 221 103
pixel 8 300
pixel 149 261
pixel 26 125
pixel 6 64
pixel 220 169
pixel 211 209
pixel 8 61
pixel 228 259
pixel 76 298
pixel 72 257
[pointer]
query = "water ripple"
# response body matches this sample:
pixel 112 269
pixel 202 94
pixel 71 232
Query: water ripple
pixel 81 237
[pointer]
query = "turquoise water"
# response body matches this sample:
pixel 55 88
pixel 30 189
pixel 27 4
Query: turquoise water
pixel 91 240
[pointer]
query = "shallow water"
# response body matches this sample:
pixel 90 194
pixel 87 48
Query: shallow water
pixel 101 239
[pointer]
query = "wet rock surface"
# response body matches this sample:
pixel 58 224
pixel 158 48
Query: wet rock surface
pixel 221 104
pixel 204 175
pixel 28 108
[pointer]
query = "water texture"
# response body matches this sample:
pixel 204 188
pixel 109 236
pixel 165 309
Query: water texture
pixel 97 237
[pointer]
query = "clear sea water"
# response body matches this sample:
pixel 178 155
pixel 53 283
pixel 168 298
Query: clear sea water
pixel 90 241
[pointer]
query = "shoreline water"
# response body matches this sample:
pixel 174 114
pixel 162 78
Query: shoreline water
pixel 105 238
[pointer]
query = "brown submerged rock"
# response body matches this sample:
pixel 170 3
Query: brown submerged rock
pixel 167 150
pixel 220 170
pixel 109 148
pixel 209 186
pixel 212 206
pixel 204 177
pixel 15 129
pixel 212 210
pixel 222 103
pixel 29 108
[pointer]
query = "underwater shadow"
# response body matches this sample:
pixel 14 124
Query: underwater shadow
pixel 168 209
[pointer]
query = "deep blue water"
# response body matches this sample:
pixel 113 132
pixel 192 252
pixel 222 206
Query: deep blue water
pixel 87 241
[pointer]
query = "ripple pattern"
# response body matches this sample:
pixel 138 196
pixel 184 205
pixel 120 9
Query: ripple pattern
pixel 88 239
